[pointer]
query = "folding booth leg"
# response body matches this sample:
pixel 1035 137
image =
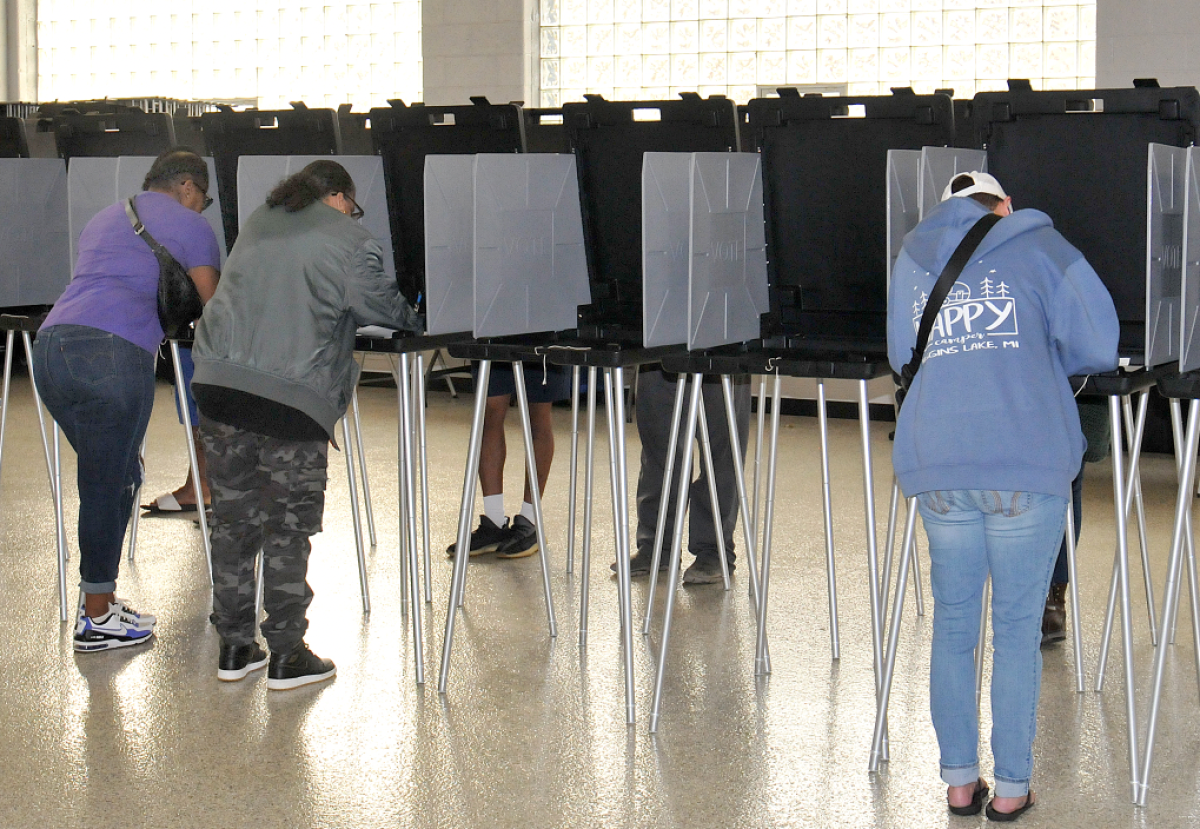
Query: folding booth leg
pixel 706 459
pixel 418 407
pixel 758 450
pixel 685 474
pixel 362 465
pixel 1189 539
pixel 135 518
pixel 53 473
pixel 572 486
pixel 531 470
pixel 827 510
pixel 1183 506
pixel 181 395
pixel 1073 577
pixel 60 526
pixel 981 643
pixel 411 568
pixel 762 664
pixel 614 393
pixel 1140 513
pixel 749 534
pixel 878 740
pixel 588 483
pixel 660 524
pixel 10 339
pixel 347 440
pixel 864 419
pixel 889 548
pixel 462 553
pixel 1122 550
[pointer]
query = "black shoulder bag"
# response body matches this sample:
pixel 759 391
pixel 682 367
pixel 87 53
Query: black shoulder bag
pixel 941 288
pixel 179 303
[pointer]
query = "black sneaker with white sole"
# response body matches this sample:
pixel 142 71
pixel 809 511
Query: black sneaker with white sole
pixel 237 661
pixel 298 667
pixel 522 539
pixel 112 630
pixel 486 539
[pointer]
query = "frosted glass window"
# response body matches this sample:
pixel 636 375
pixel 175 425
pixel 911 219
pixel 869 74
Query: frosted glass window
pixel 731 47
pixel 269 52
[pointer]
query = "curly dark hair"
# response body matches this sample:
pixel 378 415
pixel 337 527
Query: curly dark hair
pixel 316 181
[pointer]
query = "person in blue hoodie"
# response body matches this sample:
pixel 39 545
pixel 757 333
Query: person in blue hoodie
pixel 988 440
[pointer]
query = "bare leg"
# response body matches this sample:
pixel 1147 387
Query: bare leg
pixel 542 425
pixel 186 494
pixel 492 451
pixel 96 605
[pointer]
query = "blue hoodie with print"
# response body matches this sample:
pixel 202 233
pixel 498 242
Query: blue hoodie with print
pixel 991 407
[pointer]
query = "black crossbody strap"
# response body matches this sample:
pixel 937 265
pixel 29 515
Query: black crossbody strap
pixel 958 261
pixel 140 230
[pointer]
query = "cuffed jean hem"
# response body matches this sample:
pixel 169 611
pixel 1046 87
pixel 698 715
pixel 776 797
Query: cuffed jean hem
pixel 98 587
pixel 1007 787
pixel 960 775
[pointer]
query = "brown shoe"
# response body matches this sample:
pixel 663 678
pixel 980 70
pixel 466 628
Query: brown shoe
pixel 1054 619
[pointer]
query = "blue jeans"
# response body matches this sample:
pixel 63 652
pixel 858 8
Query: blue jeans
pixel 100 389
pixel 1014 536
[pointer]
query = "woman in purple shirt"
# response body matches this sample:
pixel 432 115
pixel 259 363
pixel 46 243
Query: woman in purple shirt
pixel 94 366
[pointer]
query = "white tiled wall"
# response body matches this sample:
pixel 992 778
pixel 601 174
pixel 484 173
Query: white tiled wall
pixel 478 47
pixel 1147 39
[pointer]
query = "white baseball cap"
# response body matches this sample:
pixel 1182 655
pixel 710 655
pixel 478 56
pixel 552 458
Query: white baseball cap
pixel 981 183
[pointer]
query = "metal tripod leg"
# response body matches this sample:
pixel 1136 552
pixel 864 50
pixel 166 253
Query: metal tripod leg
pixel 572 486
pixel 1073 577
pixel 135 518
pixel 827 511
pixel 462 551
pixel 194 465
pixel 1122 550
pixel 664 498
pixel 864 419
pixel 10 338
pixel 981 643
pixel 588 486
pixel 53 468
pixel 1189 539
pixel 749 534
pixel 762 663
pixel 347 440
pixel 531 467
pixel 418 407
pixel 706 459
pixel 879 738
pixel 685 474
pixel 614 395
pixel 1140 511
pixel 362 465
pixel 412 566
pixel 1183 506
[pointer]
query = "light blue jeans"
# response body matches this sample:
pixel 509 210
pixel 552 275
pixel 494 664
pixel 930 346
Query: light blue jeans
pixel 1014 536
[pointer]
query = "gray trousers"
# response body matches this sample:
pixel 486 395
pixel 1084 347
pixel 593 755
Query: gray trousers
pixel 267 494
pixel 655 402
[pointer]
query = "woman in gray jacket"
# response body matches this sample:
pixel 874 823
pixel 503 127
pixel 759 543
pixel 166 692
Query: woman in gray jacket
pixel 274 373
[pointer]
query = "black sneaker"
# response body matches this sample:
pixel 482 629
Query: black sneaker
pixel 705 571
pixel 236 661
pixel 640 563
pixel 297 667
pixel 485 539
pixel 522 540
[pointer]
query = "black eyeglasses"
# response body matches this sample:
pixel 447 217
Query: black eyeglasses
pixel 357 212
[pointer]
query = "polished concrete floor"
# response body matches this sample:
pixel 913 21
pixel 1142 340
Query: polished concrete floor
pixel 531 731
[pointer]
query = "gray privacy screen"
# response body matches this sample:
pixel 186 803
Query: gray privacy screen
pixel 1189 352
pixel 530 268
pixel 666 218
pixel 1166 193
pixel 727 286
pixel 449 243
pixel 36 265
pixel 257 175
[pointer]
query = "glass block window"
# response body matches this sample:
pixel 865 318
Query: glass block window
pixel 270 51
pixel 646 49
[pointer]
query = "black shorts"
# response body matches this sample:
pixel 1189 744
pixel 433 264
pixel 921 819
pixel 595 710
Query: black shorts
pixel 542 385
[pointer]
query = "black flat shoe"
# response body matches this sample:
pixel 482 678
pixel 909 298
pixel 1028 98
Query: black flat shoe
pixel 1005 817
pixel 976 804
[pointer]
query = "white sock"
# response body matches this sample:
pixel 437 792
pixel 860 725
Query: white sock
pixel 527 511
pixel 493 508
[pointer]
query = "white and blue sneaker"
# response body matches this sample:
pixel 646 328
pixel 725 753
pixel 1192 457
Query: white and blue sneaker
pixel 145 621
pixel 115 629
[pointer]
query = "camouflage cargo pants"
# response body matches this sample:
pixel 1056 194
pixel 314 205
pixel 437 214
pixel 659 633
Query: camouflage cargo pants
pixel 267 494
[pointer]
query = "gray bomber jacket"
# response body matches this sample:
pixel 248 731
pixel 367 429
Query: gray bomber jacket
pixel 293 292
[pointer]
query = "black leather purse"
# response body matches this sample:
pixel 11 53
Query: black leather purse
pixel 179 303
pixel 941 289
